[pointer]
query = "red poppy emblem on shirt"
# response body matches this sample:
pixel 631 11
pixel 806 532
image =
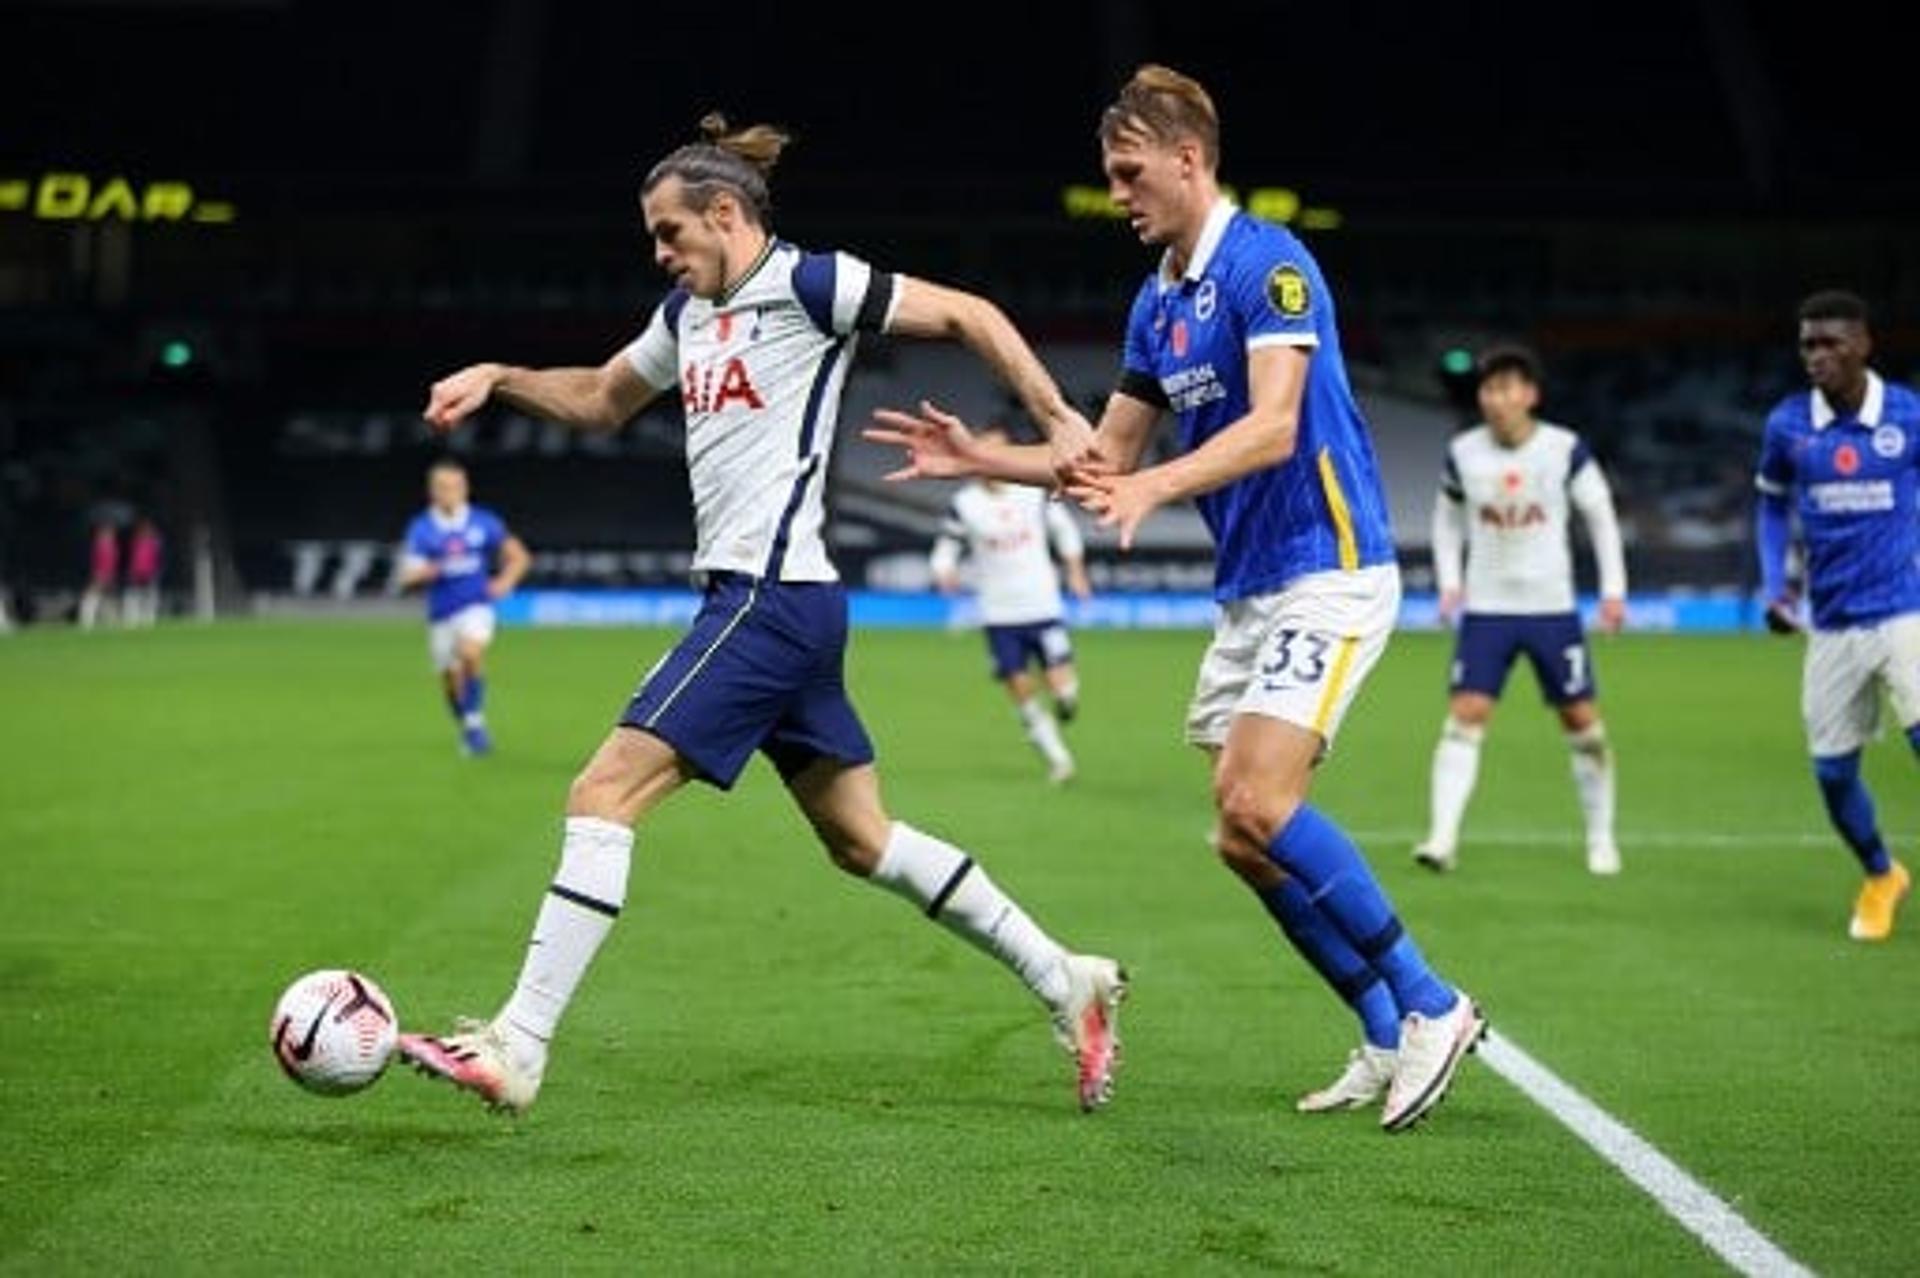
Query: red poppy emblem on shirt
pixel 1512 480
pixel 1180 338
pixel 1846 459
pixel 725 323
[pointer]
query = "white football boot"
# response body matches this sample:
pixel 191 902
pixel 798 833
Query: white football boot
pixel 1368 1074
pixel 476 1059
pixel 1431 1049
pixel 1087 1025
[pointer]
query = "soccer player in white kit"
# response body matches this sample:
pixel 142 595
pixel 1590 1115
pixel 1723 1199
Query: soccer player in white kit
pixel 1006 532
pixel 1508 488
pixel 756 336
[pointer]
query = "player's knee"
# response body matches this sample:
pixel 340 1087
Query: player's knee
pixel 1589 738
pixel 1250 817
pixel 848 849
pixel 596 792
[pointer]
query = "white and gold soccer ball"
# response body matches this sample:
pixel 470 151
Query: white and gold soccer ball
pixel 333 1031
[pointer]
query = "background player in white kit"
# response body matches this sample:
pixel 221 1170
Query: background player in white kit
pixel 1504 497
pixel 1005 530
pixel 756 336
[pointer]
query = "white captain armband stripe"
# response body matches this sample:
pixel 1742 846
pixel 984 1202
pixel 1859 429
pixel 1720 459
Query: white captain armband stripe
pixel 1771 487
pixel 1258 340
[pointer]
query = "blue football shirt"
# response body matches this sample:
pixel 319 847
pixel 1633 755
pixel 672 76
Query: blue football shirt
pixel 465 547
pixel 1855 484
pixel 1252 284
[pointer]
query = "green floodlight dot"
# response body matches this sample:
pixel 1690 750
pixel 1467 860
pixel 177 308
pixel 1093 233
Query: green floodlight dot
pixel 176 354
pixel 1458 361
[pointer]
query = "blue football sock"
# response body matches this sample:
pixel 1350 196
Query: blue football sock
pixel 1339 965
pixel 1913 737
pixel 1319 854
pixel 1851 808
pixel 474 702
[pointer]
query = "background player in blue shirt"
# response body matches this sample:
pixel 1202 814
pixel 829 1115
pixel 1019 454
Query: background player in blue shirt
pixel 466 558
pixel 1235 334
pixel 1845 457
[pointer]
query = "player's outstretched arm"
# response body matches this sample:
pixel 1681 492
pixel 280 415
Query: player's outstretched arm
pixel 939 445
pixel 1263 437
pixel 603 398
pixel 933 310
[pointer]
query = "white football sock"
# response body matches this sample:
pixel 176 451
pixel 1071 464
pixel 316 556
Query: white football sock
pixel 1593 779
pixel 587 895
pixel 1044 733
pixel 950 887
pixel 1456 766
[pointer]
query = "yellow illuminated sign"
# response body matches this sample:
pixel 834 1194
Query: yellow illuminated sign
pixel 81 197
pixel 1279 204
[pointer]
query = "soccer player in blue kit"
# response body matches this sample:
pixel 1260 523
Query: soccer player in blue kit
pixel 1235 335
pixel 1844 456
pixel 466 558
pixel 756 337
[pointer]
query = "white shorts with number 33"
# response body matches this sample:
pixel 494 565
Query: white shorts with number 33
pixel 1299 655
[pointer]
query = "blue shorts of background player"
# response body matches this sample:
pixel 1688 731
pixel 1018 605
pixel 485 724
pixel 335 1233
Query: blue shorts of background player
pixel 1040 643
pixel 1555 644
pixel 1489 644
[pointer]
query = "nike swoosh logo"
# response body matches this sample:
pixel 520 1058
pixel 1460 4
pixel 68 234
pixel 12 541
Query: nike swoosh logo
pixel 304 1048
pixel 359 1000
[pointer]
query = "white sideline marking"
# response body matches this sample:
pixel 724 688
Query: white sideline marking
pixel 1682 1197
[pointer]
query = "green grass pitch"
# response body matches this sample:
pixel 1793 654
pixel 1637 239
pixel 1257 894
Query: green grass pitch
pixel 775 1069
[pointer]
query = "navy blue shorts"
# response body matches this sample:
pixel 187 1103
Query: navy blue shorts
pixel 1490 642
pixel 1014 647
pixel 760 669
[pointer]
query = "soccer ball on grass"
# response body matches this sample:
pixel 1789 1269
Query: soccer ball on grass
pixel 333 1031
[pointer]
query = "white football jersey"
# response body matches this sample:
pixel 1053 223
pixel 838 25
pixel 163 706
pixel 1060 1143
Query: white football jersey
pixel 1006 529
pixel 1509 507
pixel 760 373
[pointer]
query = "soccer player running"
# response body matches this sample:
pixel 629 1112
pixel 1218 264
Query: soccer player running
pixel 1504 497
pixel 756 336
pixel 1845 456
pixel 466 558
pixel 1235 334
pixel 1006 531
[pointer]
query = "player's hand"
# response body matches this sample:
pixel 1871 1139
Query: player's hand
pixel 1075 448
pixel 1613 615
pixel 454 398
pixel 938 444
pixel 498 589
pixel 1118 501
pixel 1449 606
pixel 1783 616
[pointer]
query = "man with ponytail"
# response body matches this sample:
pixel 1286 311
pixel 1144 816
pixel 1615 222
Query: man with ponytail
pixel 756 337
pixel 1235 335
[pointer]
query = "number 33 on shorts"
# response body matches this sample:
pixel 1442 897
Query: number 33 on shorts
pixel 1295 658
